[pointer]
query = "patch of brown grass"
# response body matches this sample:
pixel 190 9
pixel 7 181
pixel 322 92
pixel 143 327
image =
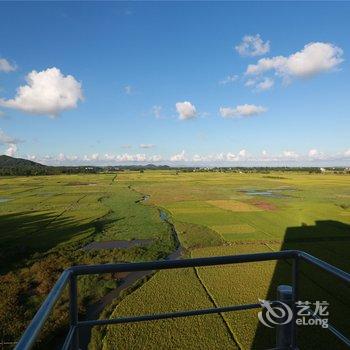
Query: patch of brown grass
pixel 233 205
pixel 263 205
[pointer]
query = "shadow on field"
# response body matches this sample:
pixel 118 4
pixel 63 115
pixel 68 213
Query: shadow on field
pixel 23 234
pixel 330 241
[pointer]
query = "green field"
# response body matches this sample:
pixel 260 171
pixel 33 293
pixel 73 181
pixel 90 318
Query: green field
pixel 44 224
pixel 46 220
pixel 223 213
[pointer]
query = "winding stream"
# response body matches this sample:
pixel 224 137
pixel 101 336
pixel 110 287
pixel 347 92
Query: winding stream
pixel 93 311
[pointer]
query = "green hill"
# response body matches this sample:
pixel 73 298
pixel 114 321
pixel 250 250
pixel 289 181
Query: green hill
pixel 10 162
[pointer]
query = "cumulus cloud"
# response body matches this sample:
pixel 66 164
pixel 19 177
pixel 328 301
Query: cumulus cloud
pixel 48 92
pixel 239 111
pixel 128 89
pixel 186 110
pixel 209 158
pixel 95 156
pixel 313 153
pixel 290 154
pixel 313 59
pixel 11 150
pixel 260 83
pixel 241 157
pixel 147 145
pixel 264 85
pixel 250 82
pixel 156 158
pixel 231 156
pixel 229 79
pixel 253 45
pixel 242 153
pixel 179 157
pixel 6 66
pixel 10 142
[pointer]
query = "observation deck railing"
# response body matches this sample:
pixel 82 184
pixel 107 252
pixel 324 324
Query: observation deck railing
pixel 286 337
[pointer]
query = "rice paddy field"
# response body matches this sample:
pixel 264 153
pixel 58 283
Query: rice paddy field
pixel 46 221
pixel 230 213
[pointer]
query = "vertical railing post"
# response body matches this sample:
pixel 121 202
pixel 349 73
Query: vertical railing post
pixel 284 332
pixel 73 310
pixel 295 300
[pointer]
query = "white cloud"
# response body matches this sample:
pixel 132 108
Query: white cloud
pixel 6 139
pixel 253 45
pixel 260 83
pixel 242 153
pixel 313 59
pixel 11 150
pixel 126 146
pixel 313 153
pixel 290 154
pixel 179 157
pixel 155 158
pixel 6 66
pixel 61 157
pixel 186 110
pixel 126 157
pixel 157 111
pixel 245 110
pixel 128 89
pixel 266 84
pixel 48 92
pixel 241 157
pixel 32 157
pixel 95 156
pixel 10 142
pixel 198 158
pixel 229 79
pixel 209 158
pixel 316 154
pixel 250 82
pixel 140 157
pixel 147 145
pixel 231 156
pixel 108 156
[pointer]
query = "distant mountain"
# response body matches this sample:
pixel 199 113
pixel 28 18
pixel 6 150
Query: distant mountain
pixel 10 166
pixel 152 166
pixel 10 162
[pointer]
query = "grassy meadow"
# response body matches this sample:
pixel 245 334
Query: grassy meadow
pixel 44 223
pixel 46 220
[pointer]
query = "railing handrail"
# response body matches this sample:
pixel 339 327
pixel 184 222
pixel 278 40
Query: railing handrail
pixel 70 275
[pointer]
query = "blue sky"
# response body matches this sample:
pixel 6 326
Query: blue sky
pixel 170 82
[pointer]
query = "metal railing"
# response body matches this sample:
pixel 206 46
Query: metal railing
pixel 286 337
